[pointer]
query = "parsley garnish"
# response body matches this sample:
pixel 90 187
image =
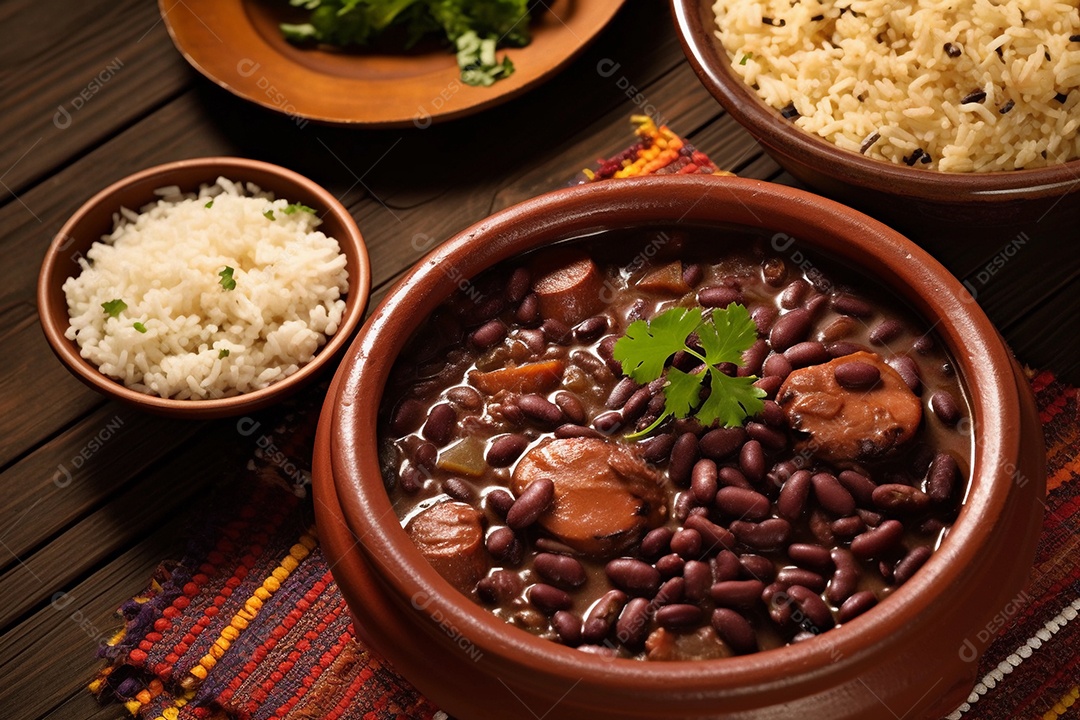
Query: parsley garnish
pixel 209 204
pixel 223 353
pixel 227 281
pixel 647 346
pixel 746 57
pixel 297 207
pixel 140 327
pixel 113 308
pixel 269 214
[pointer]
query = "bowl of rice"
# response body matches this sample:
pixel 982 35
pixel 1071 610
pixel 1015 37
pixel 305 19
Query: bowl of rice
pixel 204 288
pixel 947 119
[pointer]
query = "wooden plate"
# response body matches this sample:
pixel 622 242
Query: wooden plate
pixel 237 44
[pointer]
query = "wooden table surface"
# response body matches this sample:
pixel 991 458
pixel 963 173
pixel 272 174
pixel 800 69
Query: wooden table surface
pixel 95 494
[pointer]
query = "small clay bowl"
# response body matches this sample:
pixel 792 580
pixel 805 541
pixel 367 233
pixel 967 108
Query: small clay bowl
pixel 927 205
pixel 95 219
pixel 915 653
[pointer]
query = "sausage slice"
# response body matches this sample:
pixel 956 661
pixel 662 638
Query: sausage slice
pixel 568 285
pixel 451 537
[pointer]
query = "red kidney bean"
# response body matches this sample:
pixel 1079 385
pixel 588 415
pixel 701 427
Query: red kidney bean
pixel 885 569
pixel 725 566
pixel 909 372
pixel 439 427
pixel 821 527
pixel 407 417
pixel 505 449
pixel 500 501
pixel 633 576
pixel 683 456
pixel 754 358
pixel 532 502
pixel 411 479
pixel 621 393
pixel 528 312
pixel 633 625
pixel 657 449
pixel 548 598
pixel 790 328
pixel 737 593
pixel 672 591
pixel 637 405
pixel 499 587
pixel 776 366
pixel 911 563
pixel 718 296
pixel 670 565
pixel 768 535
pixel 560 570
pixel 505 546
pixel 845 580
pixel 757 567
pixel 793 495
pixel 848 527
pixel 743 503
pixel 511 412
pixel 602 615
pixel 540 409
pixel 692 274
pixel 518 285
pixel 590 329
pixel 846 304
pixel 794 293
pixel 678 616
pixel 721 442
pixel 770 438
pixel 773 416
pixel 571 407
pixel 931 526
pixel 730 477
pixel 577 431
pixel 752 461
pixel 426 455
pixel 886 331
pixel 801 576
pixel 807 555
pixel 735 631
pixel 945 407
pixel 842 348
pixel 568 627
pixel 459 490
pixel 465 397
pixel 769 385
pixel 605 349
pixel 687 543
pixel 871 518
pixel 699 578
pixel 778 602
pixel 923 344
pixel 831 495
pixel 556 331
pixel 856 605
pixel 900 499
pixel 860 486
pixel 485 309
pixel 764 317
pixel 656 542
pixel 809 352
pixel 878 541
pixel 488 335
pixel 713 536
pixel 857 375
pixel 813 608
pixel 684 504
pixel 703 481
pixel 608 422
pixel 942 477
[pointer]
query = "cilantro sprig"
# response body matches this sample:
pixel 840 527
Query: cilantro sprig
pixel 227 280
pixel 297 207
pixel 723 337
pixel 113 308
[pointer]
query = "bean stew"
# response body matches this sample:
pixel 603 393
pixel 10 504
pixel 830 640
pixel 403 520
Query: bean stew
pixel 545 483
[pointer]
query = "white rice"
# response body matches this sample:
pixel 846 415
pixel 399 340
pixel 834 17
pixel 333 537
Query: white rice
pixel 201 340
pixel 880 68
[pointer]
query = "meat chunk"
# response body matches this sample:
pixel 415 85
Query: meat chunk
pixel 606 496
pixel 700 644
pixel 568 285
pixel 850 423
pixel 450 535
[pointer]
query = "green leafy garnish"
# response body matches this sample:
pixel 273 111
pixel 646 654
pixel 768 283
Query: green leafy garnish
pixel 269 214
pixel 223 353
pixel 723 336
pixel 297 207
pixel 476 58
pixel 745 57
pixel 227 280
pixel 209 204
pixel 113 308
pixel 140 327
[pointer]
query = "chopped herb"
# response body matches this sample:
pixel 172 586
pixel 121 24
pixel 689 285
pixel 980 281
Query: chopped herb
pixel 476 58
pixel 223 353
pixel 745 57
pixel 227 280
pixel 723 337
pixel 269 214
pixel 140 327
pixel 297 207
pixel 113 308
pixel 975 96
pixel 209 204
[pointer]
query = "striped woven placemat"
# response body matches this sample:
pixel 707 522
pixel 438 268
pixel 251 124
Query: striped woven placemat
pixel 250 624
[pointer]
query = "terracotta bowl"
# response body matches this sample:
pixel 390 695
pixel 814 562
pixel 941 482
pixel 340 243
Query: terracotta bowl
pixel 925 204
pixel 94 219
pixel 915 654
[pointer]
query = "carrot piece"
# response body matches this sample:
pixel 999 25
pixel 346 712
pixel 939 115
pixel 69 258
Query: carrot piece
pixel 528 378
pixel 666 278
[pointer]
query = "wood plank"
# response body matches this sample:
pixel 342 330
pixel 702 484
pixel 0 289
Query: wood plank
pixel 73 74
pixel 1045 337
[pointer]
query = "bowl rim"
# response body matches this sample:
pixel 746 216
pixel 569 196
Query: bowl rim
pixel 981 358
pixel 713 68
pixel 53 316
